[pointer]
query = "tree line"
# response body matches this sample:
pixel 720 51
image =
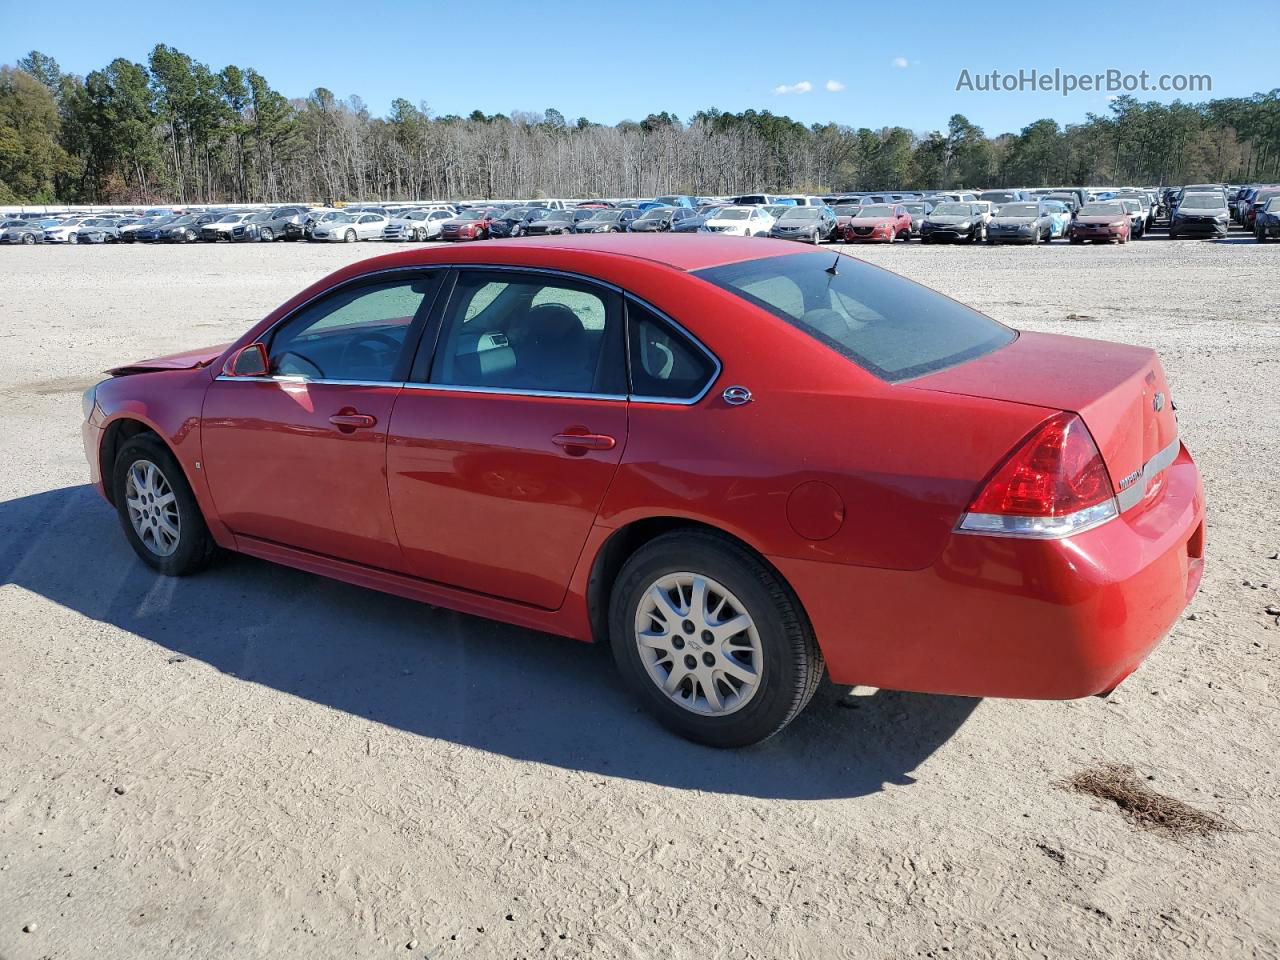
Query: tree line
pixel 175 130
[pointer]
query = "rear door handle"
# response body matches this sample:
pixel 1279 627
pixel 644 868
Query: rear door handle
pixel 584 441
pixel 352 421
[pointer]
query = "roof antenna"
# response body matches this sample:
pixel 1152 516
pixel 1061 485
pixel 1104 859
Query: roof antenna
pixel 834 265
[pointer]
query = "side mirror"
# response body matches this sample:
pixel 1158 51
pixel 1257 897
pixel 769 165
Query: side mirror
pixel 250 361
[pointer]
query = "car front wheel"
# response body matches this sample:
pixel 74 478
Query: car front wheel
pixel 157 509
pixel 349 237
pixel 712 642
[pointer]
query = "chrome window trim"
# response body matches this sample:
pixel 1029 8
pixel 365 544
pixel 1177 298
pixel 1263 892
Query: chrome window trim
pixel 684 332
pixel 506 392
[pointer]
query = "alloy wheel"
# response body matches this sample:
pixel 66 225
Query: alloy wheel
pixel 153 508
pixel 699 644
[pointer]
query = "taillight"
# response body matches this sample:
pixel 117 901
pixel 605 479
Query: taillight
pixel 1053 485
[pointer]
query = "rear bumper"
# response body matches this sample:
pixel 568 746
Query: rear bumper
pixel 1005 617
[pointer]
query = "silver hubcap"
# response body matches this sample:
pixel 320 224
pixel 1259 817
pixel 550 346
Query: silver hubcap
pixel 699 644
pixel 153 509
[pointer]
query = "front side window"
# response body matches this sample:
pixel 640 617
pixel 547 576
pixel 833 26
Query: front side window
pixel 890 326
pixel 357 333
pixel 512 331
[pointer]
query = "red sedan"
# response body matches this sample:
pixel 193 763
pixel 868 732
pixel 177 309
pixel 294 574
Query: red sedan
pixel 736 462
pixel 878 222
pixel 1100 221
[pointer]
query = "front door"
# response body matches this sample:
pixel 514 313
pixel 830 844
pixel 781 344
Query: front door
pixel 505 441
pixel 299 457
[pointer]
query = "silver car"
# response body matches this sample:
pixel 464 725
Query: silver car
pixel 348 228
pixel 21 231
pixel 416 225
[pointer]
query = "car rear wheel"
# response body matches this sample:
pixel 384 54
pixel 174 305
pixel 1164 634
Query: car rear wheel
pixel 712 642
pixel 349 237
pixel 157 509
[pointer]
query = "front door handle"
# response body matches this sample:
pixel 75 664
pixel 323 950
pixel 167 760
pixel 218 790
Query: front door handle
pixel 352 421
pixel 584 441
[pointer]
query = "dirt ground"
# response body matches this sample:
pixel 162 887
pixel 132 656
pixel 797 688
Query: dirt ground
pixel 260 763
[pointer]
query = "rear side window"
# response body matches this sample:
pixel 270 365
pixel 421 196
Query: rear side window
pixel 520 332
pixel 665 365
pixel 890 326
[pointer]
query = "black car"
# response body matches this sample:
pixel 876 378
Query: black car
pixel 1200 215
pixel 953 221
pixel 178 230
pixel 660 219
pixel 554 221
pixel 1266 222
pixel 808 224
pixel 513 222
pixel 607 221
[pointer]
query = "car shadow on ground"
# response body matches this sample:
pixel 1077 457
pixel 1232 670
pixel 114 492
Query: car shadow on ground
pixel 444 675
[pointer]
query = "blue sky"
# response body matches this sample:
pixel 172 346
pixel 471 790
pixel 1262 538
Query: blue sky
pixel 610 60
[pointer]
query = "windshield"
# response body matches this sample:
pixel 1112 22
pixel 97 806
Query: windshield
pixel 667 201
pixel 262 217
pixel 847 210
pixel 1202 201
pixel 916 209
pixel 890 326
pixel 232 218
pixel 802 213
pixel 656 213
pixel 730 213
pixel 560 215
pixel 998 196
pixel 1102 210
pixel 1273 205
pixel 876 210
pixel 1019 210
pixel 339 218
pixel 470 215
pixel 952 210
pixel 609 215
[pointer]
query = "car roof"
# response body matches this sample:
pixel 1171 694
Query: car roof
pixel 689 252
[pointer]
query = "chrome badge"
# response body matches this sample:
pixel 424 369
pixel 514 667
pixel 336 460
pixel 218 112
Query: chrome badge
pixel 1157 402
pixel 1130 480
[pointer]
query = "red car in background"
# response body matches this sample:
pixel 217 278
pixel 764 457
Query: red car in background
pixel 882 222
pixel 467 225
pixel 1100 221
pixel 738 463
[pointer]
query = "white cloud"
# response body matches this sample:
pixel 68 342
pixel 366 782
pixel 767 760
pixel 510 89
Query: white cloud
pixel 834 86
pixel 804 86
pixel 901 62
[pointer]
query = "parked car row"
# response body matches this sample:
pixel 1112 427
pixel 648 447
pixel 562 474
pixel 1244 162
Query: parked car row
pixel 1031 216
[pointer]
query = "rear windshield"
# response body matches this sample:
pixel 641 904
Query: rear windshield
pixel 891 326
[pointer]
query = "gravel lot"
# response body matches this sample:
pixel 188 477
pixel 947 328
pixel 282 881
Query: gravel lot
pixel 260 763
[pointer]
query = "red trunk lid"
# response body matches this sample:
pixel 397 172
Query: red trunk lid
pixel 1118 390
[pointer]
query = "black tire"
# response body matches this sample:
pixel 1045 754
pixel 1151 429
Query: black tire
pixel 266 235
pixel 195 545
pixel 349 237
pixel 28 238
pixel 792 662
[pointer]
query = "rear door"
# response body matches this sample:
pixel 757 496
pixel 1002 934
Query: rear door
pixel 507 436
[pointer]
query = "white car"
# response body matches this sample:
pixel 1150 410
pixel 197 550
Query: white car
pixel 416 225
pixel 739 222
pixel 350 227
pixel 64 232
pixel 221 229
